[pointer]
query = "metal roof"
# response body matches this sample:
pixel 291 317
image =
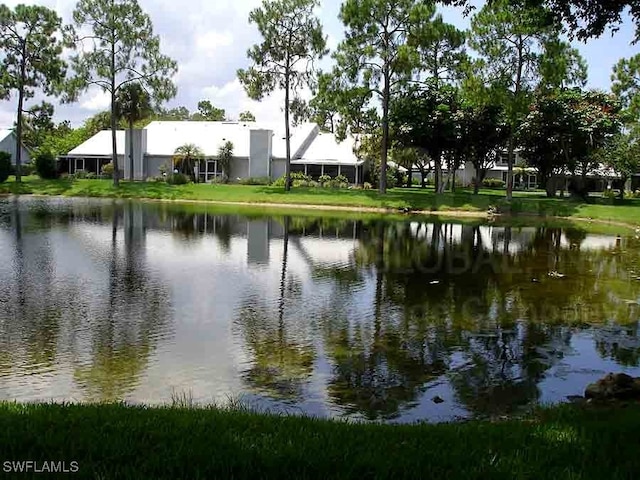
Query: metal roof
pixel 99 145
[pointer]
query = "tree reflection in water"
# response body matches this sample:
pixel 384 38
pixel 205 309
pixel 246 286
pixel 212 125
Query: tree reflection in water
pixel 489 310
pixel 494 305
pixel 281 359
pixel 135 314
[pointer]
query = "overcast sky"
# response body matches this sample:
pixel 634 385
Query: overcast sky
pixel 209 40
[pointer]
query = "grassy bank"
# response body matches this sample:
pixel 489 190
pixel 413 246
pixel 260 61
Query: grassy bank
pixel 627 211
pixel 115 441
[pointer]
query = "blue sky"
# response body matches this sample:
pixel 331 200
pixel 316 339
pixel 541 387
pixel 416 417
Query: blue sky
pixel 209 40
pixel 601 54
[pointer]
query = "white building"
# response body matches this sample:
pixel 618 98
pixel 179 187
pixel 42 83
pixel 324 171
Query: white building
pixel 524 177
pixel 9 144
pixel 259 150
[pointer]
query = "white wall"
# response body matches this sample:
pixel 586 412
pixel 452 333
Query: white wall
pixel 9 144
pixel 239 168
pixel 152 165
pixel 278 166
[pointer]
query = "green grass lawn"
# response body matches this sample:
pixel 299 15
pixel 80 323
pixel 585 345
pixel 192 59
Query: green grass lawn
pixel 535 203
pixel 116 441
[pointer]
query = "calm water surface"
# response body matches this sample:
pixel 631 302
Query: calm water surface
pixel 365 319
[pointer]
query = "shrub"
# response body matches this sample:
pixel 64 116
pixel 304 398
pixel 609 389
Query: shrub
pixel 314 184
pixel 294 176
pixel 324 180
pixel 495 183
pixel 45 163
pixel 5 166
pixel 157 179
pixel 91 176
pixel 81 174
pixel 367 186
pixel 107 170
pixel 342 179
pixel 336 183
pixel 178 179
pixel 255 181
pixel 629 194
pixel 28 168
pixel 392 175
pixel 609 193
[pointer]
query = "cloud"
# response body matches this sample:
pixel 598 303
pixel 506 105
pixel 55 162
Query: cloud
pixel 233 98
pixel 95 101
pixel 208 40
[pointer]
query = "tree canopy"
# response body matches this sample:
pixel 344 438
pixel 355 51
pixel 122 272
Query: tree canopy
pixel 117 46
pixel 292 39
pixel 377 55
pixel 31 57
pixel 206 111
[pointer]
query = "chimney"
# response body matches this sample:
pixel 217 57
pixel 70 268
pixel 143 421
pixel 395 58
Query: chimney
pixel 260 142
pixel 139 148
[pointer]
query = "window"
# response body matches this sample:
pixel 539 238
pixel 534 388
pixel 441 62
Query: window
pixel 79 164
pixel 210 172
pixel 314 171
pixel 331 170
pixel 349 172
pixel 297 168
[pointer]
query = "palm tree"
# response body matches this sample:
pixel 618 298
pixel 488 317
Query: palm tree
pixel 225 156
pixel 185 156
pixel 132 105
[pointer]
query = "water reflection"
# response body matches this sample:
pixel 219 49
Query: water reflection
pixel 96 321
pixel 358 317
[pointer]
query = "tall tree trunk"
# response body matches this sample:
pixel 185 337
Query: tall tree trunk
pixel 423 181
pixel 23 74
pixel 19 136
pixel 517 89
pixel 410 173
pixel 549 184
pixel 510 155
pixel 114 142
pixel 476 184
pixel 131 163
pixel 114 139
pixel 453 180
pixel 439 174
pixel 287 166
pixel 623 179
pixel 386 93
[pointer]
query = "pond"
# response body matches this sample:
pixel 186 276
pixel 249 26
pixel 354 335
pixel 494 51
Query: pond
pixel 354 316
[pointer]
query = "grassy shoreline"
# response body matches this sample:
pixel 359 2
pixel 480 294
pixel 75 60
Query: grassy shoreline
pixel 460 204
pixel 118 441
